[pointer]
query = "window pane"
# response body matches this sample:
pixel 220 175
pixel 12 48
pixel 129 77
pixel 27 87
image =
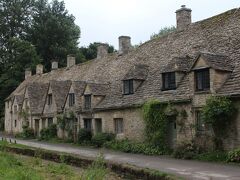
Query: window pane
pixel 172 83
pixel 126 87
pixel 88 124
pixel 118 123
pixel 202 80
pixel 71 99
pixel 130 86
pixel 87 101
pixel 49 99
pixel 168 81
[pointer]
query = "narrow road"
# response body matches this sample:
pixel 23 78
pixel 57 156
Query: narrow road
pixel 183 168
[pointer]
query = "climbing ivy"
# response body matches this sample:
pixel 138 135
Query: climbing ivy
pixel 66 123
pixel 218 112
pixel 157 116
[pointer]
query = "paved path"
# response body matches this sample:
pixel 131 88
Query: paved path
pixel 185 168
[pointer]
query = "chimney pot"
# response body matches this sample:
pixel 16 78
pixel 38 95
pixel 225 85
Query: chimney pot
pixel 102 50
pixel 39 69
pixel 124 44
pixel 71 61
pixel 28 73
pixel 54 64
pixel 184 17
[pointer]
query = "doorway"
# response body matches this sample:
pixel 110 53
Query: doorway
pixel 172 133
pixel 37 134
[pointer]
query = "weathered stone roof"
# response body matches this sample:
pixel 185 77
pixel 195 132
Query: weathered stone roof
pixel 78 87
pixel 182 64
pixel 137 72
pixel 19 99
pixel 98 89
pixel 217 61
pixel 219 35
pixel 37 95
pixel 60 91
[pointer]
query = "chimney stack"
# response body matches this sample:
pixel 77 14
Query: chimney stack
pixel 71 61
pixel 184 17
pixel 39 69
pixel 102 50
pixel 54 64
pixel 28 73
pixel 124 44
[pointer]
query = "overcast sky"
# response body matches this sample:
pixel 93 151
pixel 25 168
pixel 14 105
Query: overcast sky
pixel 105 20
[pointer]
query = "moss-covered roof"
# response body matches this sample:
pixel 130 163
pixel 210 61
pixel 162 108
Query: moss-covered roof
pixel 219 35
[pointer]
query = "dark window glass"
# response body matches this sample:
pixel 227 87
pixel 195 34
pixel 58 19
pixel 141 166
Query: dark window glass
pixel 202 80
pixel 71 97
pixel 15 123
pixel 199 121
pixel 49 99
pixel 118 123
pixel 87 100
pixel 43 123
pixel 88 124
pixel 128 87
pixel 50 121
pixel 169 81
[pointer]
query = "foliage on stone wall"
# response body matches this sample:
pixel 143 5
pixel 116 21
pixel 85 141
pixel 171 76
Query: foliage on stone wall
pixel 218 112
pixel 157 116
pixel 66 122
pixel 48 133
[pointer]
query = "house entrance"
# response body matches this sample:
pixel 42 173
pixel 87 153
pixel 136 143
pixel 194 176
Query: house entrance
pixel 37 127
pixel 75 127
pixel 172 133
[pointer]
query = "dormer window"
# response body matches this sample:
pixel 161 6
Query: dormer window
pixel 168 81
pixel 49 99
pixel 128 87
pixel 87 101
pixel 71 97
pixel 202 80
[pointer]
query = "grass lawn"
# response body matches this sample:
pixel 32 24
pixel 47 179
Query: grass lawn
pixel 16 167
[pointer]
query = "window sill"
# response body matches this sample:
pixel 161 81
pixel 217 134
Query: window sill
pixel 128 94
pixel 202 92
pixel 173 89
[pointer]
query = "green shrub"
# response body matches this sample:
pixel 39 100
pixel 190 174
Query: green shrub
pixel 44 134
pixel 157 116
pixel 84 136
pixel 135 147
pixel 186 150
pixel 100 138
pixel 49 133
pixel 27 133
pixel 53 130
pixel 218 112
pixel 217 156
pixel 234 156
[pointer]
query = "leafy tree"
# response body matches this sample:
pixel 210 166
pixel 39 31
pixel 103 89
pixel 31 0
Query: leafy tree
pixel 164 31
pixel 53 32
pixel 90 52
pixel 15 52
